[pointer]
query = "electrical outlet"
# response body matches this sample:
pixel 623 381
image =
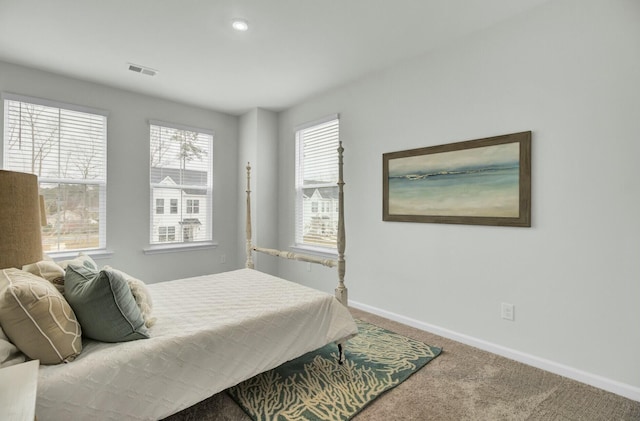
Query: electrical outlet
pixel 223 258
pixel 308 266
pixel 507 311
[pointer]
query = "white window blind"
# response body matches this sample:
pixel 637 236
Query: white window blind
pixel 181 165
pixel 65 146
pixel 316 184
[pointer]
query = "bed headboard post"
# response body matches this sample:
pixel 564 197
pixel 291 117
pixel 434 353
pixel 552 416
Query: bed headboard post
pixel 249 249
pixel 341 289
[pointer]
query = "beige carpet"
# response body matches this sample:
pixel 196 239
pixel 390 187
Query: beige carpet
pixel 464 383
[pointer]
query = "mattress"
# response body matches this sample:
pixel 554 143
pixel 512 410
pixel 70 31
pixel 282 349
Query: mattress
pixel 211 333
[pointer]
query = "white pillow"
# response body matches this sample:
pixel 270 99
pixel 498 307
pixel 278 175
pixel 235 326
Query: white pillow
pixel 81 260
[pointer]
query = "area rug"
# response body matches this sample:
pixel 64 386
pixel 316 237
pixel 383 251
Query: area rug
pixel 315 387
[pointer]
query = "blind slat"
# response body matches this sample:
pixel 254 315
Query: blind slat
pixel 316 188
pixel 181 180
pixel 65 146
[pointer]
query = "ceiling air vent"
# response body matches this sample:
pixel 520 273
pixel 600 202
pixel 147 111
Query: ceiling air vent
pixel 141 69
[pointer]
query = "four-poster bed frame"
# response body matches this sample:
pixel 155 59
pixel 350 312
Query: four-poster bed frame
pixel 341 291
pixel 212 314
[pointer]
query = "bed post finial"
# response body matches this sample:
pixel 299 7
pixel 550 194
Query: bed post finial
pixel 249 251
pixel 341 289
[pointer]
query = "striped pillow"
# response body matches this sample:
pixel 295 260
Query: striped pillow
pixel 37 319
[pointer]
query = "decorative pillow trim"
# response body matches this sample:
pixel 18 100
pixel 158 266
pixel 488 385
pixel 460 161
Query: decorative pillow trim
pixel 37 319
pixel 125 316
pixel 104 304
pixel 77 332
pixel 24 310
pixel 140 294
pixel 49 270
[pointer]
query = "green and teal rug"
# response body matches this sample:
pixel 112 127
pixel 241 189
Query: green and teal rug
pixel 316 387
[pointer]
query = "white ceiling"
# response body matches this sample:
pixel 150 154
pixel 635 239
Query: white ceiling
pixel 293 49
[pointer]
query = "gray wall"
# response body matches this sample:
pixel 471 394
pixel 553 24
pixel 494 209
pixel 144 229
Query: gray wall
pixel 258 145
pixel 568 71
pixel 128 170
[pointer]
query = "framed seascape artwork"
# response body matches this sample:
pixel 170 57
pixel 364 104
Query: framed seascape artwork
pixel 479 182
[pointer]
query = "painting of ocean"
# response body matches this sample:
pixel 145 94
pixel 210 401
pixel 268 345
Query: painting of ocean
pixel 477 182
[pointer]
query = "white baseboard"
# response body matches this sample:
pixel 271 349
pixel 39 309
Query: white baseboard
pixel 595 380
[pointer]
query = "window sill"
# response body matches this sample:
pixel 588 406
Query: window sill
pixel 178 247
pixel 316 251
pixel 94 254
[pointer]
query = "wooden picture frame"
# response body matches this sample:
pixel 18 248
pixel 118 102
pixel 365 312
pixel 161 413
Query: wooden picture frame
pixel 477 182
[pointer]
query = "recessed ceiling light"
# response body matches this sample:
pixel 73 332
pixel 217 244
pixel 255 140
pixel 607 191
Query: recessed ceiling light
pixel 240 25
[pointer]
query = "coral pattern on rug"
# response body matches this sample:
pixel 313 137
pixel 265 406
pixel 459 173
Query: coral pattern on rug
pixel 316 387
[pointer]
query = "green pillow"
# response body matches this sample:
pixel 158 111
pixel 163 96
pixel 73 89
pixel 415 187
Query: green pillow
pixel 103 304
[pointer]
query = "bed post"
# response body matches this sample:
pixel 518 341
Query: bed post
pixel 341 289
pixel 249 249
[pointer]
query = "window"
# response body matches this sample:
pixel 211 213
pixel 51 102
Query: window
pixel 193 206
pixel 159 206
pixel 316 184
pixel 181 173
pixel 65 146
pixel 162 234
pixel 187 234
pixel 166 234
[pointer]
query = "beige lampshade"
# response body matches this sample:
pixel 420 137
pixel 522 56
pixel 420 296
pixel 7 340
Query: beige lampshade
pixel 20 222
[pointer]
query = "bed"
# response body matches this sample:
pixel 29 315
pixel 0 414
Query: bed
pixel 211 332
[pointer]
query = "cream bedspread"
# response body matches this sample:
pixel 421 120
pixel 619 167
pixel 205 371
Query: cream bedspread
pixel 212 332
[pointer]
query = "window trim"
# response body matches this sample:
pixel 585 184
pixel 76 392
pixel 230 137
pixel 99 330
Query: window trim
pixel 330 252
pixel 178 247
pixel 52 103
pixel 315 250
pixel 317 122
pixel 156 248
pixel 101 251
pixel 177 126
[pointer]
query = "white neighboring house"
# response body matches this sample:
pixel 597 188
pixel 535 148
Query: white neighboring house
pixel 179 214
pixel 320 215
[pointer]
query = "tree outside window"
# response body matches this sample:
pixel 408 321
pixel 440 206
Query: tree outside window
pixel 65 146
pixel 180 173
